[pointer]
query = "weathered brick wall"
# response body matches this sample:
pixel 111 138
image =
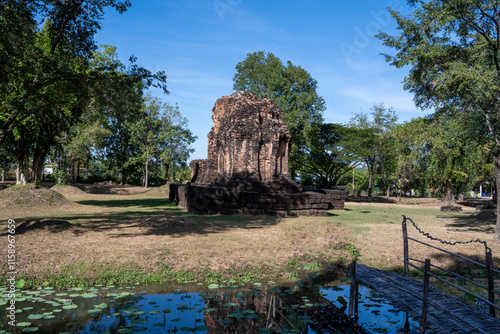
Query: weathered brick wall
pixel 221 200
pixel 248 137
pixel 247 167
pixel 203 171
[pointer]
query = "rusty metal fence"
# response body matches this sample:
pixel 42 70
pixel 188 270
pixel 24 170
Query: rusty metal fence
pixel 425 266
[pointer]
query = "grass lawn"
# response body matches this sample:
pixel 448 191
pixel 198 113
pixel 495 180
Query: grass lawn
pixel 102 235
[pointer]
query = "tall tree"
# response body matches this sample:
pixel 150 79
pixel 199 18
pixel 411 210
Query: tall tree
pixel 291 87
pixel 452 48
pixel 31 69
pixel 326 155
pixel 176 145
pixel 412 148
pixel 374 145
pixel 160 134
pixel 47 75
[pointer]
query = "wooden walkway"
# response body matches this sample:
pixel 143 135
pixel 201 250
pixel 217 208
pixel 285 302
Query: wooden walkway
pixel 406 293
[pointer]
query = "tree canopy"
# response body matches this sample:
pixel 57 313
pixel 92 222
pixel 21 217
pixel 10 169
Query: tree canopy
pixel 291 87
pixel 63 98
pixel 452 49
pixel 373 144
pixel 327 155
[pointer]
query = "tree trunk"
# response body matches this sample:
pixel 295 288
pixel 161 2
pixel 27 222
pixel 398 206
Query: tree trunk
pixel 146 173
pixel 353 188
pixel 4 164
pixel 124 177
pixel 72 169
pixel 18 172
pixel 38 168
pixel 450 196
pixel 167 167
pixel 388 192
pixel 496 238
pixel 370 172
pixel 38 163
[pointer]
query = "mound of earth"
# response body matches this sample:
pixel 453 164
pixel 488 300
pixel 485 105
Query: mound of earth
pixel 110 188
pixel 52 225
pixel 67 190
pixel 29 195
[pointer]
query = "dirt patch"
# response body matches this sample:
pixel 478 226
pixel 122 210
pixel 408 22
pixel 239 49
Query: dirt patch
pixel 183 244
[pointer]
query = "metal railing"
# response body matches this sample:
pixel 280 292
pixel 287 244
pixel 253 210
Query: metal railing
pixel 426 269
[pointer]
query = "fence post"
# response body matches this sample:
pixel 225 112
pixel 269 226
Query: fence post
pixel 423 321
pixel 491 280
pixel 405 247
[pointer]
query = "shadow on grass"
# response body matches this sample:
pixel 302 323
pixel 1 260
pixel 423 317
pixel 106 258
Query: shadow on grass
pixel 53 225
pixel 154 216
pixel 474 202
pixel 121 203
pixel 480 221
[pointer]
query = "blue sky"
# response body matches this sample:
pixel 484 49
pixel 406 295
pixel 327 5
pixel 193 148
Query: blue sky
pixel 199 42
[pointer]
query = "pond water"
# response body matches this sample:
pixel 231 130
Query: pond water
pixel 305 308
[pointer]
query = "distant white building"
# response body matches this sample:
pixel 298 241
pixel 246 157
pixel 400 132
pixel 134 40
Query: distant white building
pixel 48 169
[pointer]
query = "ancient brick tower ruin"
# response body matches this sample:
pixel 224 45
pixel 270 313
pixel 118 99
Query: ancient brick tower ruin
pixel 247 167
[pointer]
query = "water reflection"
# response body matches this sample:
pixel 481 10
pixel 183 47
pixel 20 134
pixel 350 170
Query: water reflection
pixel 307 308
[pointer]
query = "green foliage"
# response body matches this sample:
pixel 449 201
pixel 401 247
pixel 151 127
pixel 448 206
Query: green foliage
pixel 352 249
pixel 324 157
pixel 290 87
pixel 373 143
pixel 49 79
pixel 160 135
pixel 451 50
pixel 60 176
pixel 431 154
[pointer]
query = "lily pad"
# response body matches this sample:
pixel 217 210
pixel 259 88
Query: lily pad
pixel 139 321
pixel 23 324
pixel 203 328
pixel 35 316
pixel 70 306
pixel 188 329
pixel 126 330
pixel 207 310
